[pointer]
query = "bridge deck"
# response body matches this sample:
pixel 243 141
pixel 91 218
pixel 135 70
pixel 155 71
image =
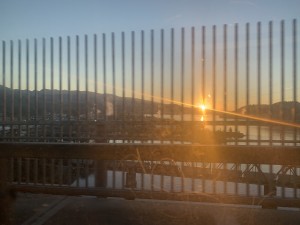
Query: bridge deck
pixel 278 155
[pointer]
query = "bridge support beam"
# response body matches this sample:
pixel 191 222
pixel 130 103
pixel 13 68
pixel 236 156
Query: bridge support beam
pixel 100 174
pixel 6 194
pixel 270 188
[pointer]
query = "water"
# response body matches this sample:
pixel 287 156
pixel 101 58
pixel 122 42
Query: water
pixel 116 180
pixel 255 134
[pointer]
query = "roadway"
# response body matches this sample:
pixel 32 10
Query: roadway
pixel 37 209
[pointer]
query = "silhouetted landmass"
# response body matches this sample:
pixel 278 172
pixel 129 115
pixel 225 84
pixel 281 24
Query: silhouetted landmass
pixel 287 111
pixel 79 102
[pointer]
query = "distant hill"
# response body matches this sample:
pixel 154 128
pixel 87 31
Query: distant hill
pixel 49 100
pixel 287 111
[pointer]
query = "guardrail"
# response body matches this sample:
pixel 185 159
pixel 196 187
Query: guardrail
pixel 266 176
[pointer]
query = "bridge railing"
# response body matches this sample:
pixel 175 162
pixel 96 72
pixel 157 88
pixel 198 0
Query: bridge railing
pixel 266 176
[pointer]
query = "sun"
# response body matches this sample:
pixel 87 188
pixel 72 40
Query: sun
pixel 202 107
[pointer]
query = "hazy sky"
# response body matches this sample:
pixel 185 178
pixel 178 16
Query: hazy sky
pixel 42 18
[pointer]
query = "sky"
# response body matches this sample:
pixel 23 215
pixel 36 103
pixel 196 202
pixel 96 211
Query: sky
pixel 30 19
pixel 42 18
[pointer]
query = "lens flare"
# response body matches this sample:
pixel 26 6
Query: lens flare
pixel 202 107
pixel 205 107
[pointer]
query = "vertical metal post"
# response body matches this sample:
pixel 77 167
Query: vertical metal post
pixel 182 74
pixel 247 77
pixel 271 78
pixel 203 60
pixel 69 87
pixel 162 74
pixel 225 74
pixel 87 110
pixel 12 112
pixel 19 172
pixel 143 77
pixel 100 174
pixel 78 174
pixel 259 77
pixel 132 84
pixel 43 161
pixel 35 90
pixel 214 75
pixel 193 86
pixel 44 88
pixel 60 88
pixel 86 82
pixel 52 172
pixel 152 78
pixel 27 170
pixel 113 163
pixel 225 91
pixel 77 86
pixel 20 85
pixel 36 171
pixel 172 83
pixel 295 111
pixel 152 177
pixel 104 73
pixel 4 207
pixel 282 62
pixel 123 82
pixel 115 111
pixel 96 77
pixel 69 179
pixel 86 172
pixel 11 174
pixel 247 182
pixel 4 85
pixel 77 82
pixel 247 92
pixel 161 179
pixel 182 178
pixel 143 87
pixel 172 180
pixel 27 88
pixel 123 179
pixel 52 87
pixel 133 74
pixel 236 76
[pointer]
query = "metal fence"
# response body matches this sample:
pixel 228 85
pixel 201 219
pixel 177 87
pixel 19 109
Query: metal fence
pixel 236 78
pixel 206 113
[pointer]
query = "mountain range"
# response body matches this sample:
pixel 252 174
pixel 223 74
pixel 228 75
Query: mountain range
pixel 80 102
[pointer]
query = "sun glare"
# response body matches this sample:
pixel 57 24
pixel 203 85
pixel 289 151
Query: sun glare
pixel 202 107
